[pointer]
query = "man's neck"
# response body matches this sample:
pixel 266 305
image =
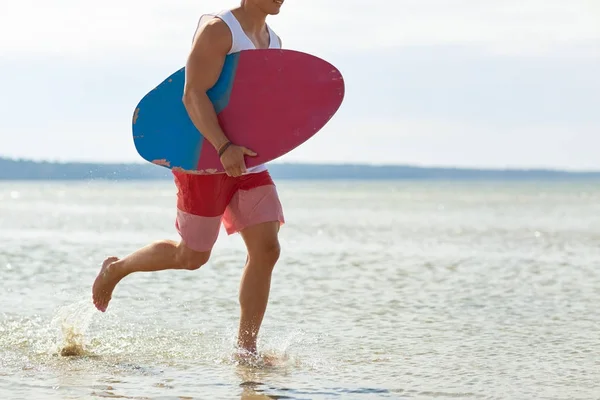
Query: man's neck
pixel 252 19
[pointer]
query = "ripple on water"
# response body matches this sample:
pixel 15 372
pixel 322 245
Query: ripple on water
pixel 383 290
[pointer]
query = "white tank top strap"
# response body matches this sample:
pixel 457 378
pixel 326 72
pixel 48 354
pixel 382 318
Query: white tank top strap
pixel 274 42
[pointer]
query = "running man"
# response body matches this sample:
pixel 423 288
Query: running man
pixel 244 200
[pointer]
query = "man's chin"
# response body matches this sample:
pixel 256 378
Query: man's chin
pixel 275 10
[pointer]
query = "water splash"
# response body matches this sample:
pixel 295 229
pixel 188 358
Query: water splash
pixel 72 322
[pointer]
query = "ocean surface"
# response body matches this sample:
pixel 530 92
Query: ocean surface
pixel 384 290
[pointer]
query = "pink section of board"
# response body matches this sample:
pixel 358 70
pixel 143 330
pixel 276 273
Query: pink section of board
pixel 296 97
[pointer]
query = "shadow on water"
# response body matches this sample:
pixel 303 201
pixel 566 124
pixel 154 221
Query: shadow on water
pixel 253 385
pixel 252 376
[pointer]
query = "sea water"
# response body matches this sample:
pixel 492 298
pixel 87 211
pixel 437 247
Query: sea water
pixel 400 290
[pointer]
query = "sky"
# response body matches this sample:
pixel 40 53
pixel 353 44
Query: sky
pixel 465 83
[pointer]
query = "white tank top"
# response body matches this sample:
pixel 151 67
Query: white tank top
pixel 240 41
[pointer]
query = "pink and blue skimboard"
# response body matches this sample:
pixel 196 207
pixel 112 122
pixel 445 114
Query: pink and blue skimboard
pixel 270 101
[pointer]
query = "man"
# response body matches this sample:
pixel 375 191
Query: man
pixel 245 200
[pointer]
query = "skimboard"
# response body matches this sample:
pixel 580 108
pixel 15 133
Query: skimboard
pixel 270 101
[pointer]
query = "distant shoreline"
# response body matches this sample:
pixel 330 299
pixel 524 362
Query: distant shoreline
pixel 19 169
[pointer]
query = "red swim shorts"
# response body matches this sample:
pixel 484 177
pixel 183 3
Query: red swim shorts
pixel 204 201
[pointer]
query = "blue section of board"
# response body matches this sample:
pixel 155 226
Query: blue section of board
pixel 220 93
pixel 166 100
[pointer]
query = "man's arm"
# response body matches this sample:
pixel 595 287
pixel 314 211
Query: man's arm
pixel 203 69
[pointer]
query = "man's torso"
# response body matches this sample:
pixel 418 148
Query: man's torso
pixel 241 41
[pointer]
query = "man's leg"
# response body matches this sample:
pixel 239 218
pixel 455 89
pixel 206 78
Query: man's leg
pixel 256 213
pixel 157 256
pixel 197 196
pixel 263 252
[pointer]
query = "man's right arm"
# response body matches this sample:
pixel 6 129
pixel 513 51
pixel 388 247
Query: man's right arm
pixel 203 68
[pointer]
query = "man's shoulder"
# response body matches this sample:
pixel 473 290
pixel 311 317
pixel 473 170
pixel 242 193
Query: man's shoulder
pixel 214 27
pixel 214 32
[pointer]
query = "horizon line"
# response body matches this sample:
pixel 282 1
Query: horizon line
pixel 323 164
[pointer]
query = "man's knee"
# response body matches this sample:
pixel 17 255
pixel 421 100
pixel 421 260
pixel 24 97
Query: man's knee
pixel 190 259
pixel 266 254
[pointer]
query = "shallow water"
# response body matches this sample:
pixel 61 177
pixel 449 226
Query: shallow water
pixel 404 290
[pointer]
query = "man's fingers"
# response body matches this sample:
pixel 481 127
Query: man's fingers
pixel 242 167
pixel 248 152
pixel 238 168
pixel 230 171
pixel 234 171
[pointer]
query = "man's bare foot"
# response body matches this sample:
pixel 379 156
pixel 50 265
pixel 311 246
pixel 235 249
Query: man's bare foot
pixel 255 359
pixel 245 357
pixel 105 283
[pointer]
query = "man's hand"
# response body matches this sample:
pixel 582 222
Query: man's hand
pixel 233 159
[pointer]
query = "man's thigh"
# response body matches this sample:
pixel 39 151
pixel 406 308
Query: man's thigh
pixel 201 203
pixel 253 205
